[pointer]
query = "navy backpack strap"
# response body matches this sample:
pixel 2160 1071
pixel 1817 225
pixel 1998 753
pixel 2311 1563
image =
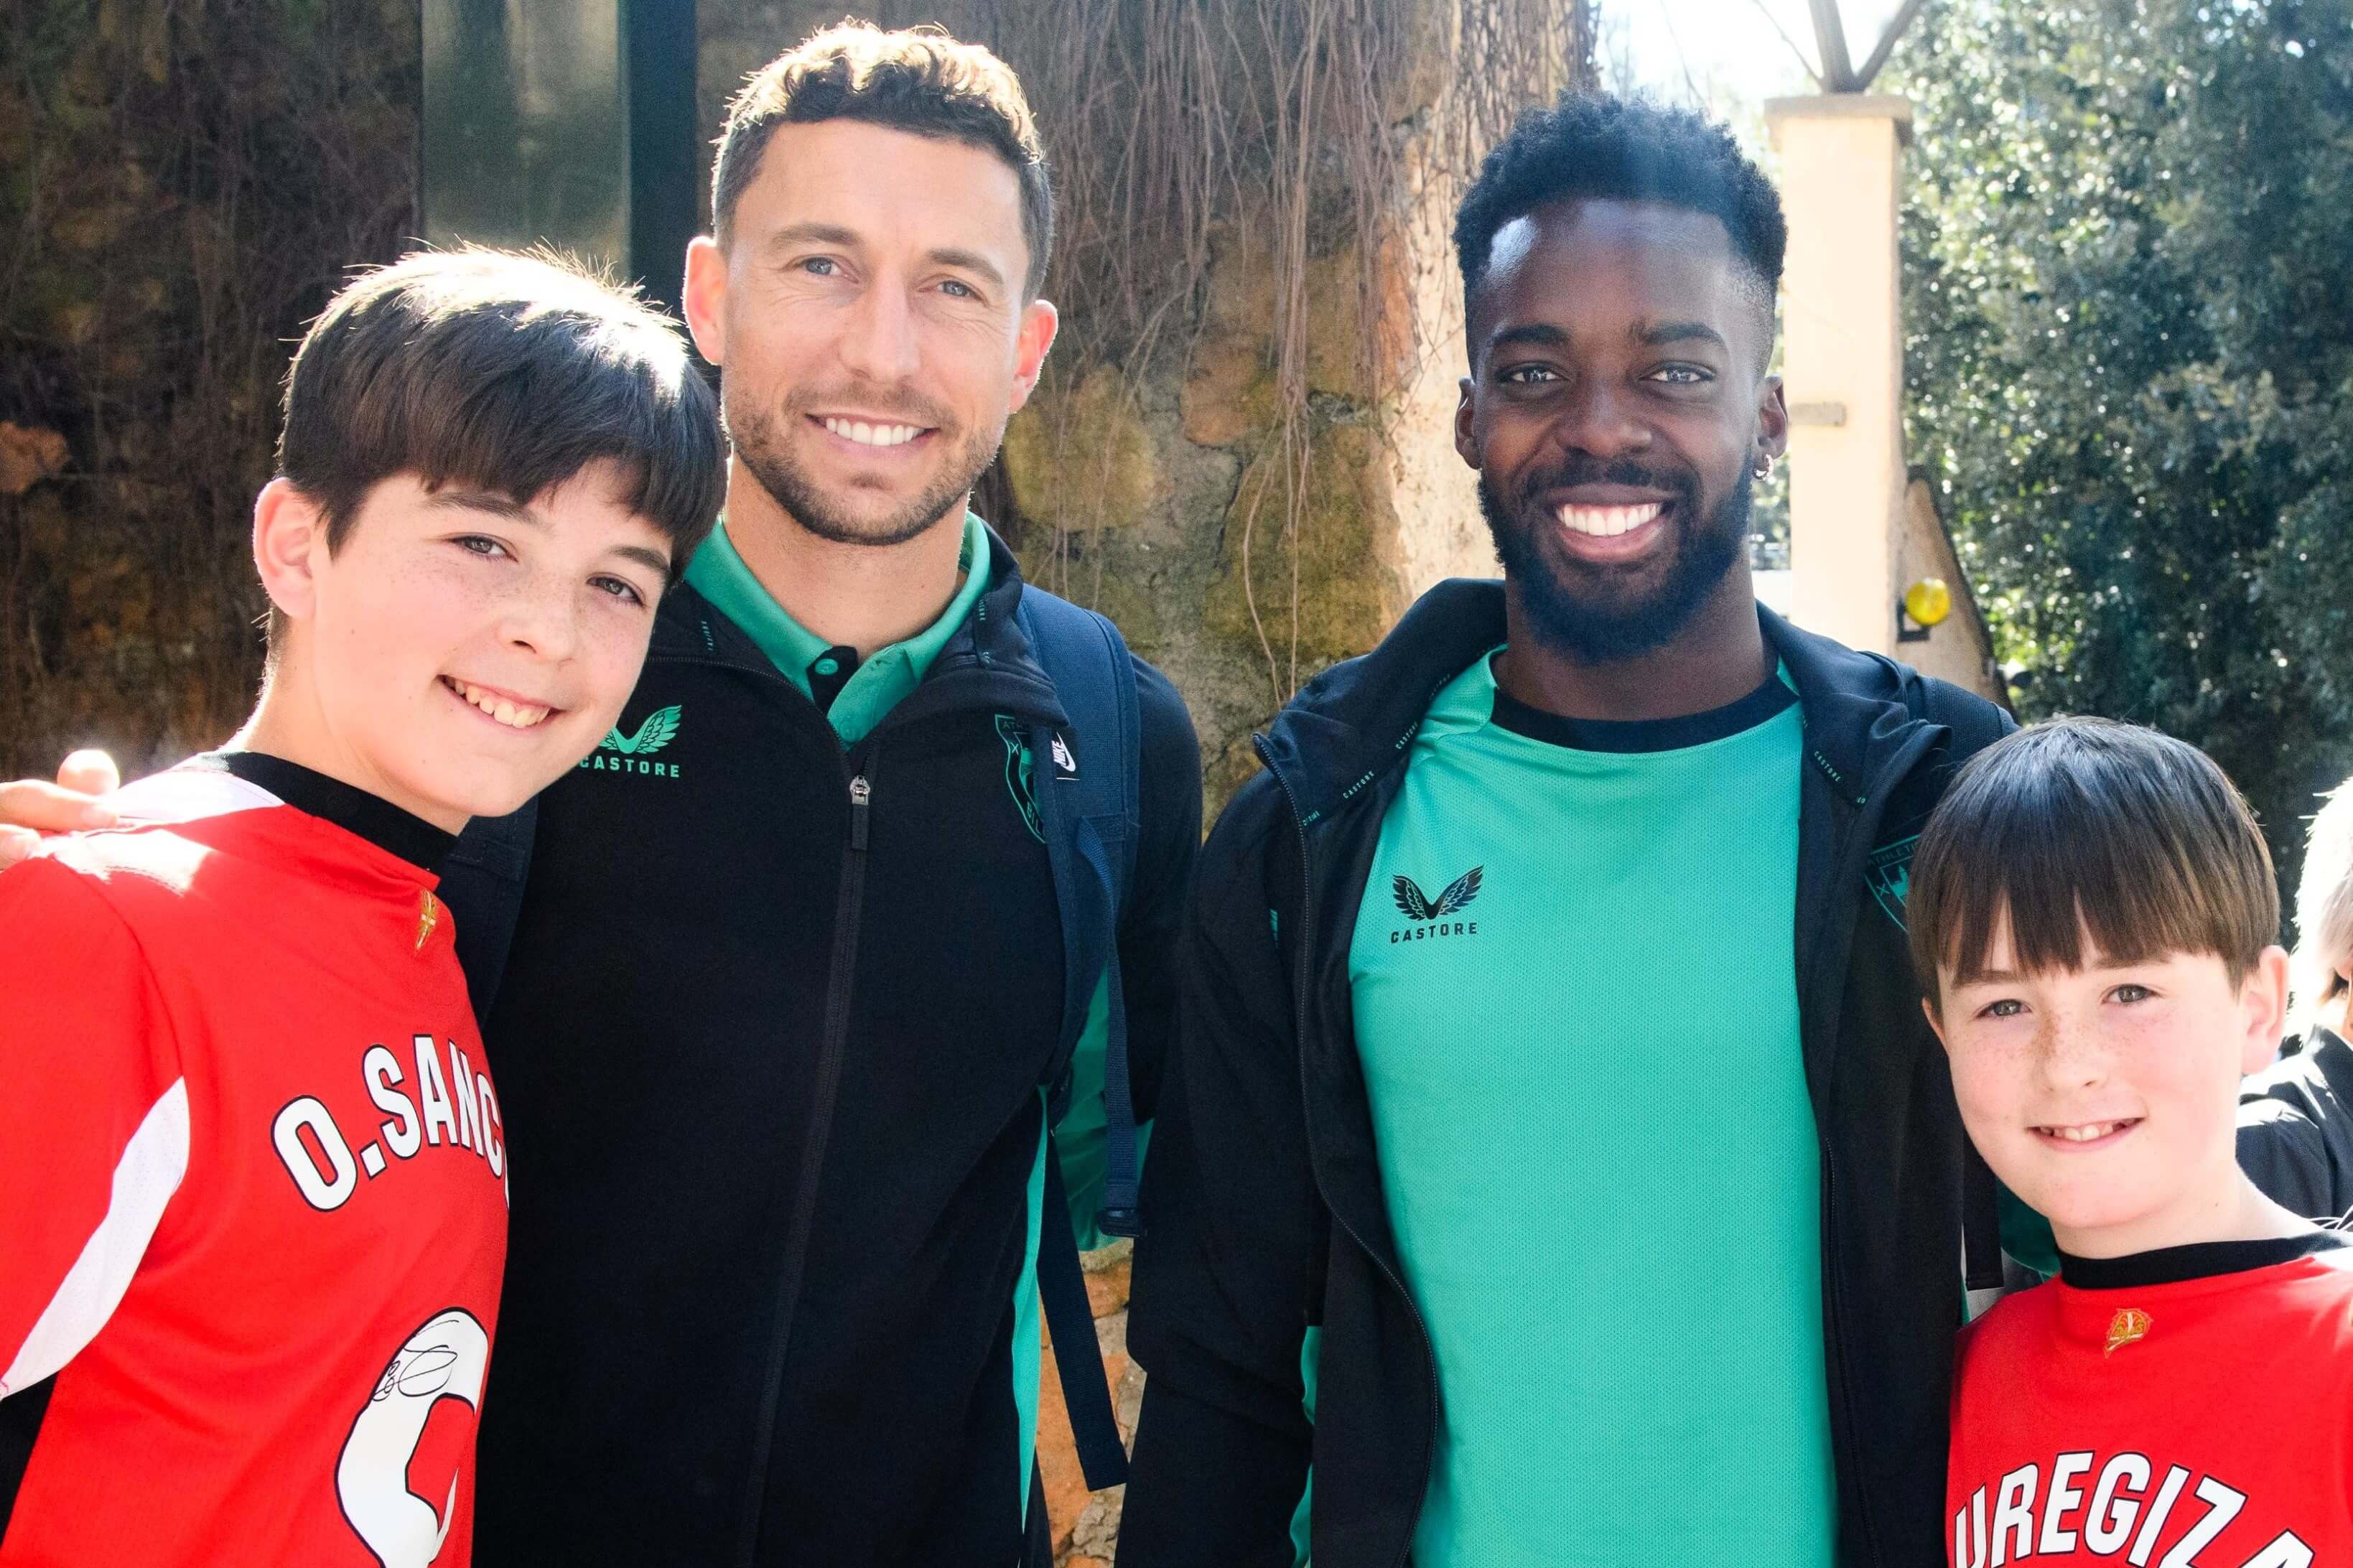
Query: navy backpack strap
pixel 1087 787
pixel 1077 1354
pixel 481 881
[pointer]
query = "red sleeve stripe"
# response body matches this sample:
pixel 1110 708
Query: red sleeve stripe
pixel 152 1164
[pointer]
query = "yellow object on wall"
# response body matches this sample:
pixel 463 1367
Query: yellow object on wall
pixel 1929 601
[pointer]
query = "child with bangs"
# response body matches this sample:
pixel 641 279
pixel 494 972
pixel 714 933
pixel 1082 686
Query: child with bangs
pixel 2095 920
pixel 253 1173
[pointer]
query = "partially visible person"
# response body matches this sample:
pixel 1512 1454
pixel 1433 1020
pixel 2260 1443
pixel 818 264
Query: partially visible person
pixel 2295 1118
pixel 30 807
pixel 2093 914
pixel 253 1171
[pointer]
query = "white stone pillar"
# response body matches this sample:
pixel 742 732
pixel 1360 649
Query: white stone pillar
pixel 1842 358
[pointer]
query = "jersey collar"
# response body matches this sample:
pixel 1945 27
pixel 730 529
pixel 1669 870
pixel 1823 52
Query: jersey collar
pixel 356 812
pixel 2200 1260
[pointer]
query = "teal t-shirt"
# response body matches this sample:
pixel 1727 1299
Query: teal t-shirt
pixel 1577 1005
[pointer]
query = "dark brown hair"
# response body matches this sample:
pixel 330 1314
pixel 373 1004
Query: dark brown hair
pixel 509 372
pixel 2086 826
pixel 918 80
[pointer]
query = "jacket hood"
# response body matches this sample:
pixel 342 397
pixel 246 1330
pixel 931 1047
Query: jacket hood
pixel 1357 720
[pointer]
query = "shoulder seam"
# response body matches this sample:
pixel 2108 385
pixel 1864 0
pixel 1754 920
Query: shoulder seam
pixel 94 889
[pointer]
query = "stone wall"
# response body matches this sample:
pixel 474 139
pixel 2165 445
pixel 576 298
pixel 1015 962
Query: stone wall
pixel 1086 1524
pixel 182 184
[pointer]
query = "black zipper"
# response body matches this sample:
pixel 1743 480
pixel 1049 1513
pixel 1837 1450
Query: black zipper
pixel 1305 947
pixel 1847 864
pixel 848 904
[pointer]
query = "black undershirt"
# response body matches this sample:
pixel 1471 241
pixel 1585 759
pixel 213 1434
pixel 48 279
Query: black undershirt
pixel 354 810
pixel 1643 734
pixel 2199 1260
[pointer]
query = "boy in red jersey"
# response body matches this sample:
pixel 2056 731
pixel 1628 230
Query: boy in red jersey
pixel 2093 914
pixel 252 1170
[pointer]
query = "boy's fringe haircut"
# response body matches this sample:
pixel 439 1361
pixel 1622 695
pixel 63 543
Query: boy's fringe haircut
pixel 2088 828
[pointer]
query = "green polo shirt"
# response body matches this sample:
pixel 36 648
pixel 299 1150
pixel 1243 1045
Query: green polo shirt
pixel 863 690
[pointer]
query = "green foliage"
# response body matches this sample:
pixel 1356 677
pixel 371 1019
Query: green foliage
pixel 2128 298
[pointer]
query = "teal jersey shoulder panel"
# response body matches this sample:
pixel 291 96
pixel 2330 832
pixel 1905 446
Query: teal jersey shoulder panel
pixel 1575 998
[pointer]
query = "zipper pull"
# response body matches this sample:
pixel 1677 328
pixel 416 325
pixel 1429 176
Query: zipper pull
pixel 861 792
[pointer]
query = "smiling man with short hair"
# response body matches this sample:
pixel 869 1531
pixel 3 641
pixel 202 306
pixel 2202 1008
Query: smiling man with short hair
pixel 788 1000
pixel 1556 1157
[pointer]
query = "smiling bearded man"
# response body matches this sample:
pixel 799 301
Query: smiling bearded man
pixel 787 1012
pixel 1622 1225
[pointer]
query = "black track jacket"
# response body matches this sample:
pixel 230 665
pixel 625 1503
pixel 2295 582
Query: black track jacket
pixel 1263 1207
pixel 768 1052
pixel 2295 1129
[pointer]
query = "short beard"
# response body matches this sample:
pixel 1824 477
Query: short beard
pixel 1594 632
pixel 768 457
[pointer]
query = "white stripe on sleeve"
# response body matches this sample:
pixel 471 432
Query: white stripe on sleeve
pixel 152 1164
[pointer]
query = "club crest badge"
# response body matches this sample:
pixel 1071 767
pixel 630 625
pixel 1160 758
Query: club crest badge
pixel 1021 774
pixel 428 916
pixel 2129 1326
pixel 1889 875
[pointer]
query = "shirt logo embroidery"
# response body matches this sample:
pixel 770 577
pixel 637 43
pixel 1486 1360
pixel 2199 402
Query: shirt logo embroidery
pixel 656 732
pixel 2129 1325
pixel 1430 914
pixel 428 915
pixel 620 754
pixel 1063 759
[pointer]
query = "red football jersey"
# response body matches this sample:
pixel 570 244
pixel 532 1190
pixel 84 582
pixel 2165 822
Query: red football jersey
pixel 2189 1408
pixel 252 1184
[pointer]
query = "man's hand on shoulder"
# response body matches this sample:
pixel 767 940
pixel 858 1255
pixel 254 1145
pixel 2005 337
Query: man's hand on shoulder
pixel 30 807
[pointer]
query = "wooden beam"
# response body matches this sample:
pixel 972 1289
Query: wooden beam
pixel 1887 41
pixel 1830 41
